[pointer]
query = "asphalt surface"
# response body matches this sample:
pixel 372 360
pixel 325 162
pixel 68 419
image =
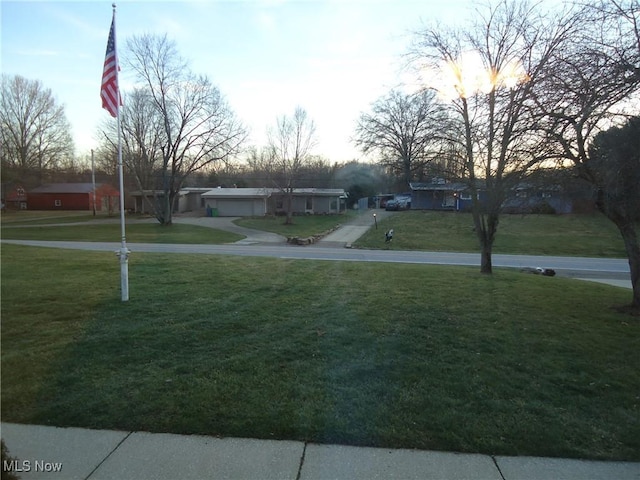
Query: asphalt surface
pixel 332 248
pixel 569 266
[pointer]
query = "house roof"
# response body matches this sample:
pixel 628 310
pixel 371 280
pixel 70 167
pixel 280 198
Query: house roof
pixel 442 187
pixel 195 189
pixel 267 192
pixel 319 192
pixel 150 193
pixel 181 192
pixel 238 193
pixel 65 188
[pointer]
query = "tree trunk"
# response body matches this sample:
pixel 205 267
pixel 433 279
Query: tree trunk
pixel 627 229
pixel 632 247
pixel 406 170
pixel 485 258
pixel 289 219
pixel 168 210
pixel 165 211
pixel 486 228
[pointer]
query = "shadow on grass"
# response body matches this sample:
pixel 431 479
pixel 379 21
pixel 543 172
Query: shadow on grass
pixel 325 352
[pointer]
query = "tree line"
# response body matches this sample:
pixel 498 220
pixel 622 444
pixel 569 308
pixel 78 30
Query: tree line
pixel 514 90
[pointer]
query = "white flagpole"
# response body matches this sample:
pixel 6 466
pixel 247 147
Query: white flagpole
pixel 93 182
pixel 123 253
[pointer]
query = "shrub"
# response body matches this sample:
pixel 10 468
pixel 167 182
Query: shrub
pixel 7 474
pixel 543 208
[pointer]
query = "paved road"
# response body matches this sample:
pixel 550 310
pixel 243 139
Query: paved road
pixel 264 244
pixel 611 267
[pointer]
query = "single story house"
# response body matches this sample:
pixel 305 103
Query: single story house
pixel 244 202
pixel 524 198
pixel 189 200
pixel 532 198
pixel 440 195
pixel 73 196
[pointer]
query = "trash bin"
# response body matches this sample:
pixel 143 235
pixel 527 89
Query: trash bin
pixel 208 211
pixel 214 212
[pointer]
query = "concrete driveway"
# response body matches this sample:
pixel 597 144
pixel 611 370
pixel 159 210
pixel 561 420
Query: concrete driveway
pixel 354 229
pixel 226 223
pixel 346 234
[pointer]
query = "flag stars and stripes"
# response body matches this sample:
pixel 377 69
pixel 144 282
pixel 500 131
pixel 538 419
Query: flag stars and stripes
pixel 110 92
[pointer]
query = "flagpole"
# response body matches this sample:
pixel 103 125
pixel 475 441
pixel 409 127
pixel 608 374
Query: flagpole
pixel 93 182
pixel 123 253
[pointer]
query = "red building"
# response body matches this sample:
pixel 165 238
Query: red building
pixel 73 196
pixel 16 199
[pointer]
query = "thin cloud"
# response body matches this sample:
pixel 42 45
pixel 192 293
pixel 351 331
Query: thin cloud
pixel 169 25
pixel 77 22
pixel 38 53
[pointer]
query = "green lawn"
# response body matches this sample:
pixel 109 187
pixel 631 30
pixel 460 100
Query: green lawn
pixel 39 217
pixel 566 235
pixel 356 353
pixel 135 233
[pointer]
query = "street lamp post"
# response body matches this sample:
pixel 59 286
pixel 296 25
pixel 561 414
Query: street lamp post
pixel 375 220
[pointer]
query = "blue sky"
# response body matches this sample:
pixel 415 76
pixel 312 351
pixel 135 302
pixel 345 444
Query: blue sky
pixel 331 57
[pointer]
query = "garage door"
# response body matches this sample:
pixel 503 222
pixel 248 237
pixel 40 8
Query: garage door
pixel 240 207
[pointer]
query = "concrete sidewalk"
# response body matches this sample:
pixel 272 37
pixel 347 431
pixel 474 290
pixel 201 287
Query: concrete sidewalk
pixel 74 453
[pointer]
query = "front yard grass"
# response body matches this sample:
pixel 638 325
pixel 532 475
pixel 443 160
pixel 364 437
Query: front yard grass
pixel 565 235
pixel 303 225
pixel 387 355
pixel 135 233
pixel 38 217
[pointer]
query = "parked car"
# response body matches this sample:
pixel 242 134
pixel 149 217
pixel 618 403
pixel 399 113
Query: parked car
pixel 397 204
pixel 392 205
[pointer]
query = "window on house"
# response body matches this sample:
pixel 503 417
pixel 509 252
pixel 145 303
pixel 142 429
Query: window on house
pixel 279 203
pixel 57 203
pixel 465 196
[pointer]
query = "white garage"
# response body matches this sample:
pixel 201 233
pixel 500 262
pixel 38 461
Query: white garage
pixel 236 202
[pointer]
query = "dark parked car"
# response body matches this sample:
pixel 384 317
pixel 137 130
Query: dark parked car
pixel 398 204
pixel 392 205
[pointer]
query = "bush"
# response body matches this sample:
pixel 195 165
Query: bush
pixel 6 459
pixel 543 208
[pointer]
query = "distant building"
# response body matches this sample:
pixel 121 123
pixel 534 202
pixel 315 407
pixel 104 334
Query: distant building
pixel 73 196
pixel 16 199
pixel 248 202
pixel 187 200
pixel 440 195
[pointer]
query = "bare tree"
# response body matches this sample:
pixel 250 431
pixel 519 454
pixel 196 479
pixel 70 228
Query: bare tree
pixel 142 139
pixel 404 130
pixel 591 85
pixel 288 154
pixel 489 75
pixel 198 127
pixel 34 131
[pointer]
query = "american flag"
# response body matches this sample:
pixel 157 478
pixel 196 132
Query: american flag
pixel 109 92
